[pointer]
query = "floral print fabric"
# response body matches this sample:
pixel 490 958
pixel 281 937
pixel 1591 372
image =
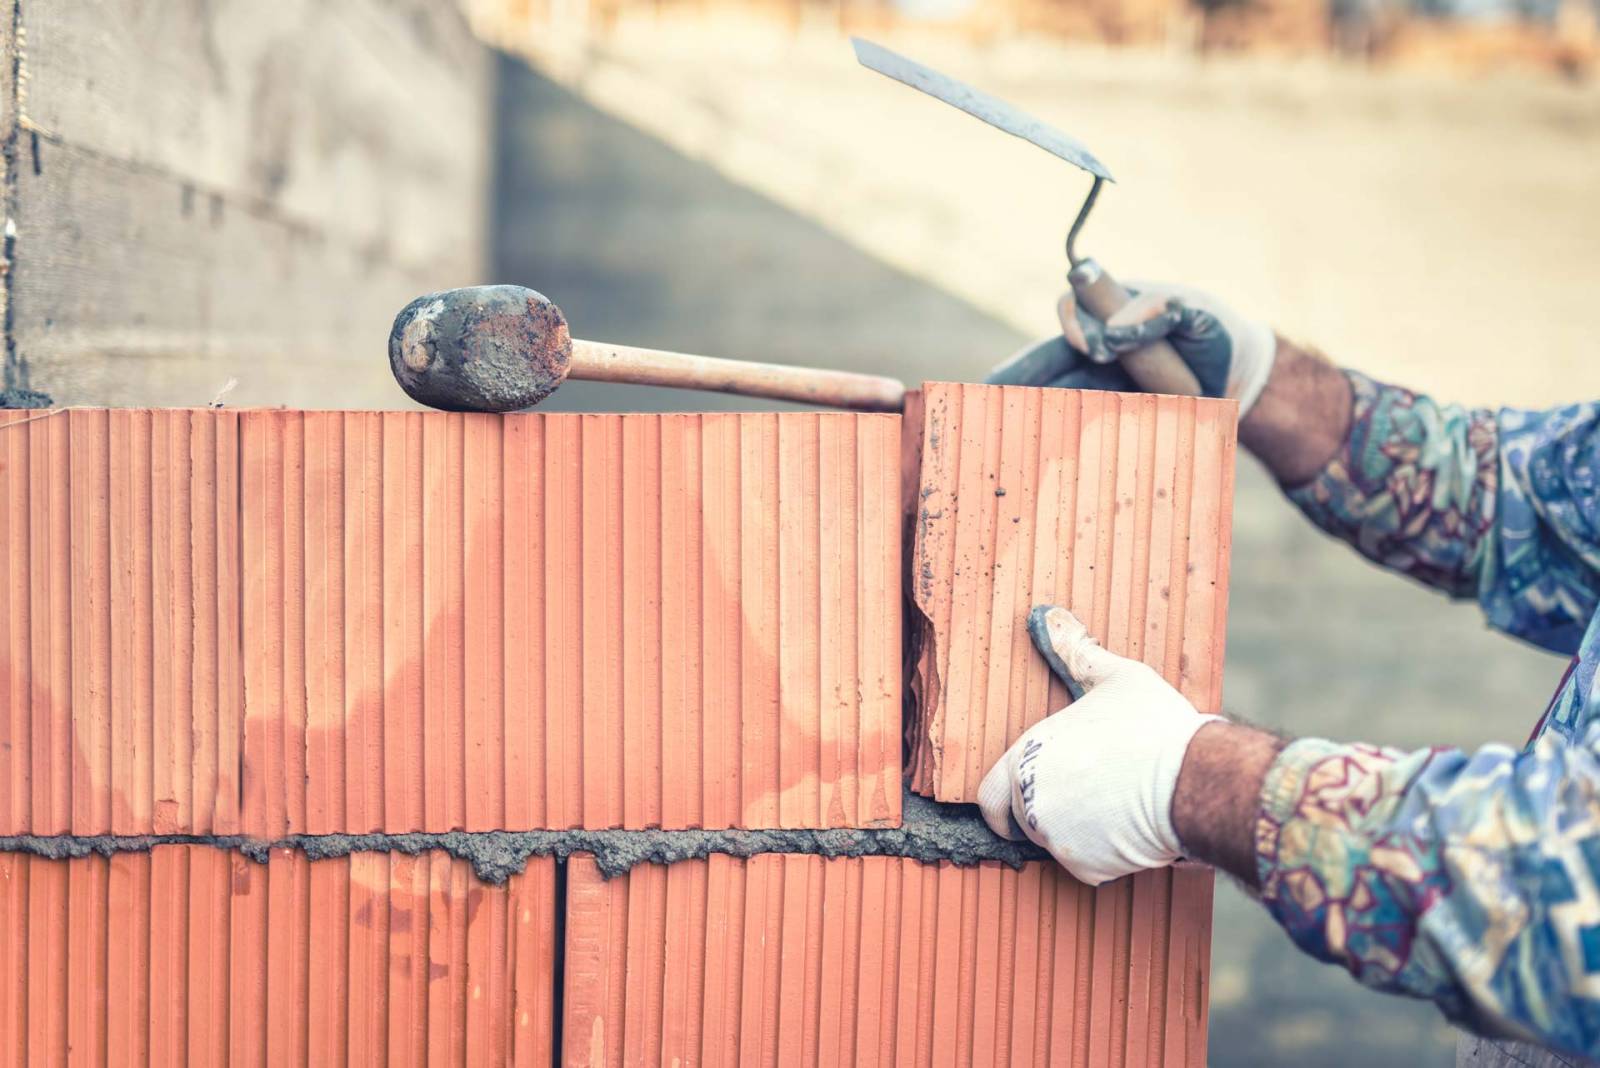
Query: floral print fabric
pixel 1472 879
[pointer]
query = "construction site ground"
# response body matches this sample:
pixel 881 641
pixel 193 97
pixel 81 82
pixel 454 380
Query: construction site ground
pixel 743 192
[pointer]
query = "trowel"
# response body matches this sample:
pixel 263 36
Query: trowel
pixel 1157 367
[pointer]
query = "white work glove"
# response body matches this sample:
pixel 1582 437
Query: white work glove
pixel 1093 783
pixel 1230 355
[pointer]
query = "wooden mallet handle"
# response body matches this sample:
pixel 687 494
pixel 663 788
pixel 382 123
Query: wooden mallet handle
pixel 600 362
pixel 1157 367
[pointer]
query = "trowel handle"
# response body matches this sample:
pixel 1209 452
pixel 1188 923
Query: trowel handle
pixel 1157 367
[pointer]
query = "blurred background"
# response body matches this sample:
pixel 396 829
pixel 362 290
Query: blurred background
pixel 206 193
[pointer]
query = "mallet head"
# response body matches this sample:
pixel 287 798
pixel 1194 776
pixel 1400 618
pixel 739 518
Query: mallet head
pixel 480 349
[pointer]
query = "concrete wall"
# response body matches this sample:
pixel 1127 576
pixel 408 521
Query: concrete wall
pixel 206 191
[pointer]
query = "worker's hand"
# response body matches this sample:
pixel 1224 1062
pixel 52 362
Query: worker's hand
pixel 1093 783
pixel 1230 355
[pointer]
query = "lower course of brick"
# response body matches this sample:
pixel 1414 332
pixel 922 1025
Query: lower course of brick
pixel 190 955
pixel 784 959
pixel 194 954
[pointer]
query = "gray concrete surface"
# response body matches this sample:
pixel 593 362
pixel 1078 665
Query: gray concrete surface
pixel 639 244
pixel 231 191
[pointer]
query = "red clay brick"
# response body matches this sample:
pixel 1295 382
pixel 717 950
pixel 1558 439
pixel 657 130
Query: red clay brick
pixel 190 954
pixel 273 622
pixel 1118 506
pixel 804 960
pixel 119 622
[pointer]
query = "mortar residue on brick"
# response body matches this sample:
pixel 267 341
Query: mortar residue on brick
pixel 930 832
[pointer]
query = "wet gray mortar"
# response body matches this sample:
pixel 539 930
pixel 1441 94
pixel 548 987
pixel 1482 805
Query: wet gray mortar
pixel 929 832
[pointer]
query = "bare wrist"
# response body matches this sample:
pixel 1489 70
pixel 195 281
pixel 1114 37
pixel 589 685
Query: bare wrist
pixel 1302 417
pixel 1218 795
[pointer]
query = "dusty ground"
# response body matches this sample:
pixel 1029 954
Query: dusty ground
pixel 766 198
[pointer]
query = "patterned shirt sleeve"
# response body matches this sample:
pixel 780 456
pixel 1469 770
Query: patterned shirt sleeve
pixel 1502 506
pixel 1541 577
pixel 1469 879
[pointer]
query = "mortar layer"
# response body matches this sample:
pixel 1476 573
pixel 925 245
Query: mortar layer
pixel 929 832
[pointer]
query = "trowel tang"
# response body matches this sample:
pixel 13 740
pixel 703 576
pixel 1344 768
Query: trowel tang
pixel 1157 367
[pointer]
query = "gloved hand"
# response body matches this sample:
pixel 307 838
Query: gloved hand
pixel 1229 354
pixel 1093 783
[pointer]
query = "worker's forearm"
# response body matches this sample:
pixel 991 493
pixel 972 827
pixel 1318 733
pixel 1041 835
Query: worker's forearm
pixel 1302 417
pixel 1453 876
pixel 1218 797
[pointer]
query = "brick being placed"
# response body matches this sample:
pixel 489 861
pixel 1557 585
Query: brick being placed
pixel 192 954
pixel 277 622
pixel 1116 506
pixel 791 959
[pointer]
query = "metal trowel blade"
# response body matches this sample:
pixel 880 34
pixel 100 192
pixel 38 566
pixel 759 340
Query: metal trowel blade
pixel 980 105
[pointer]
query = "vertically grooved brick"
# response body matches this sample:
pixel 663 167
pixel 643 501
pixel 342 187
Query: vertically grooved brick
pixel 192 954
pixel 793 959
pixel 1117 506
pixel 278 622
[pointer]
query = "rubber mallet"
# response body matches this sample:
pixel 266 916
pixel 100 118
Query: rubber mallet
pixel 505 348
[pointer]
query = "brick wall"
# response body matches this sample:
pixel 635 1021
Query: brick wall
pixel 457 634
